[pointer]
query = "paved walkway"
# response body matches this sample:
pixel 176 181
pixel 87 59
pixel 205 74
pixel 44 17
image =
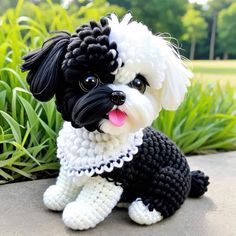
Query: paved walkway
pixel 23 214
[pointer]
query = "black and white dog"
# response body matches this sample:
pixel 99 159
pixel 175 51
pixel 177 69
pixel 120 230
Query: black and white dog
pixel 111 79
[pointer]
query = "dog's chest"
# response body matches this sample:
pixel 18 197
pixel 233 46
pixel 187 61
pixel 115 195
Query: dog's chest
pixel 87 153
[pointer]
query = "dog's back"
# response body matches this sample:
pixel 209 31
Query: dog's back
pixel 158 174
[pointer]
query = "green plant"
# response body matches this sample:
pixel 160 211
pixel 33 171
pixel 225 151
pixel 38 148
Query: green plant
pixel 205 122
pixel 28 128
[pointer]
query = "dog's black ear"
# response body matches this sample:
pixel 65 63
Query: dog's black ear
pixel 44 66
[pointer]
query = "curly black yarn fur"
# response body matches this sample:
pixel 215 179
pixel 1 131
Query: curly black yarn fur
pixel 44 66
pixel 158 174
pixel 66 59
pixel 90 49
pixel 92 107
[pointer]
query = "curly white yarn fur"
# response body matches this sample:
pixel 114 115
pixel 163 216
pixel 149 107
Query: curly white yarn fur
pixel 83 152
pixel 153 57
pixel 88 200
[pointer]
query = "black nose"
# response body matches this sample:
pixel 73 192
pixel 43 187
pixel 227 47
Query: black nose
pixel 118 97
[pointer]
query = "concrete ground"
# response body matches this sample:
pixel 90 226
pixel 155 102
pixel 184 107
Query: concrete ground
pixel 23 214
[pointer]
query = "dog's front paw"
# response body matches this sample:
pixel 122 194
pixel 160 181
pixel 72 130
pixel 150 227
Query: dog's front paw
pixel 94 203
pixel 80 216
pixel 55 198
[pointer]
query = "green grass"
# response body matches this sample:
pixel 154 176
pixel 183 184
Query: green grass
pixel 205 122
pixel 213 67
pixel 28 129
pixel 211 71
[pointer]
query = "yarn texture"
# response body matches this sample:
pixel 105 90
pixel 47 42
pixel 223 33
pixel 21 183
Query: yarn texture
pixel 110 79
pixel 83 152
pixel 158 174
pixel 93 205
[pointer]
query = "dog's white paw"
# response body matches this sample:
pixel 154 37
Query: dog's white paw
pixel 80 216
pixel 140 213
pixel 94 203
pixel 55 198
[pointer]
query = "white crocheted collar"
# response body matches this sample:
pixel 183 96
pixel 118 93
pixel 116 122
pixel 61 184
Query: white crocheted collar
pixel 83 152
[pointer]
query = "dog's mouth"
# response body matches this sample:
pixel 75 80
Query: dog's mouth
pixel 95 106
pixel 117 117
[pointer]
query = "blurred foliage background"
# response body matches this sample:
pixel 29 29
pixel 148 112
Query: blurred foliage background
pixel 205 122
pixel 204 31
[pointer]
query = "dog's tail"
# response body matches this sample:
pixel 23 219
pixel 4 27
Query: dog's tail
pixel 199 183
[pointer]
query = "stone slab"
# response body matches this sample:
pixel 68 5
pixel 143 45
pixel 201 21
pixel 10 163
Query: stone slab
pixel 22 212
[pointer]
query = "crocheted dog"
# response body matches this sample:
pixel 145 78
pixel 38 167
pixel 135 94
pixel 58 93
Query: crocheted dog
pixel 110 79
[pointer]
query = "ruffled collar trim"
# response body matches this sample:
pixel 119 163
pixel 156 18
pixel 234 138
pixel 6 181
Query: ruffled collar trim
pixel 87 153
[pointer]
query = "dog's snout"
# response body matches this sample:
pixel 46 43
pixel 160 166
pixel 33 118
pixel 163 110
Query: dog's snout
pixel 118 97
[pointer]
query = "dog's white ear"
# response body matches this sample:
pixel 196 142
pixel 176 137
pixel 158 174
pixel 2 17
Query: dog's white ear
pixel 176 78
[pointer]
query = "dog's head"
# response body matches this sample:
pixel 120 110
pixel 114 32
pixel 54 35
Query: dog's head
pixel 109 76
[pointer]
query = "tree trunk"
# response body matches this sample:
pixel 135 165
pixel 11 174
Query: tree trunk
pixel 226 56
pixel 192 50
pixel 213 37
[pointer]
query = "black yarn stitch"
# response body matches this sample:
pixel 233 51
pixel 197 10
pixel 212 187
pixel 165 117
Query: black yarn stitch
pixel 89 49
pixel 64 60
pixel 199 182
pixel 158 174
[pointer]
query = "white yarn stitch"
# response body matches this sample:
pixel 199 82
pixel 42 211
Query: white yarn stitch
pixel 153 57
pixel 57 196
pixel 94 203
pixel 85 153
pixel 140 213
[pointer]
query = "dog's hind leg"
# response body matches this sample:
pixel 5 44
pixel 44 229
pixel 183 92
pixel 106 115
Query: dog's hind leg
pixel 57 196
pixel 140 213
pixel 164 195
pixel 94 203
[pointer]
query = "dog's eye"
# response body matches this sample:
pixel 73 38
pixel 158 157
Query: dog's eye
pixel 89 82
pixel 139 83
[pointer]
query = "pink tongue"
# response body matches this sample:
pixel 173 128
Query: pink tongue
pixel 117 117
